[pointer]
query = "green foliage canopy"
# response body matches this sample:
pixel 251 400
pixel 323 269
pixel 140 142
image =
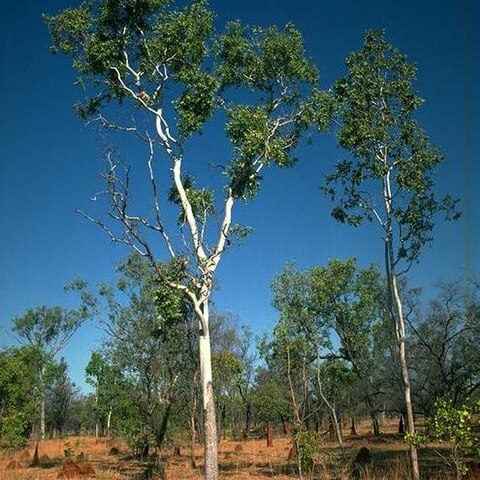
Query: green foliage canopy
pixel 129 49
pixel 377 106
pixel 19 393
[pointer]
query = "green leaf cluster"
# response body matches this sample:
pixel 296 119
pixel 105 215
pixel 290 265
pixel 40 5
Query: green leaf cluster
pixel 101 35
pixel 49 328
pixel 151 293
pixel 129 48
pixel 309 446
pixel 259 57
pixel 456 425
pixel 351 301
pixel 376 106
pixel 19 389
pixel 201 200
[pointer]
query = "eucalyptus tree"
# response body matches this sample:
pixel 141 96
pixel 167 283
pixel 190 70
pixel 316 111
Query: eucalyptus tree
pixel 49 329
pixel 345 301
pixel 167 69
pixel 470 342
pixel 292 356
pixel 446 365
pixel 148 347
pixel 388 178
pixel 233 367
pixel 106 380
pixel 60 397
pixel 270 398
pixel 301 343
pixel 350 301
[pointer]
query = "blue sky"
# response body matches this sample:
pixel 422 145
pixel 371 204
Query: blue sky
pixel 49 162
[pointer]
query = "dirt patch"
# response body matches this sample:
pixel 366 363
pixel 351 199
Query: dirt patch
pixel 69 470
pixel 87 469
pixel 13 465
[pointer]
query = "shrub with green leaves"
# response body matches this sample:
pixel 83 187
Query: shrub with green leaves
pixel 456 425
pixel 18 394
pixel 309 444
pixel 13 430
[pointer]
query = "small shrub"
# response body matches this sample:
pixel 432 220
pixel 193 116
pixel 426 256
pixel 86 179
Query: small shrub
pixel 69 451
pixel 14 431
pixel 309 444
pixel 455 425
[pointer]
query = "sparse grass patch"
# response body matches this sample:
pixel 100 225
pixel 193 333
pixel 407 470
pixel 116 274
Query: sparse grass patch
pixel 252 461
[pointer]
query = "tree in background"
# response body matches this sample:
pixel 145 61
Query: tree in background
pixel 233 364
pixel 60 397
pixel 470 342
pixel 107 383
pixel 148 348
pixel 169 66
pixel 389 176
pixel 270 397
pixel 298 345
pixel 446 364
pixel 338 309
pixel 19 381
pixel 350 301
pixel 48 329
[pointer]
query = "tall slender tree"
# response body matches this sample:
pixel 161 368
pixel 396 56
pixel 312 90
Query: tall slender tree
pixel 388 178
pixel 49 329
pixel 166 68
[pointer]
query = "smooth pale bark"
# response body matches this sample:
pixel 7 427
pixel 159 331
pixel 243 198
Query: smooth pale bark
pixel 109 420
pixel 97 425
pixel 405 377
pixel 192 419
pixel 211 446
pixel 42 416
pixel 396 311
pixel 42 405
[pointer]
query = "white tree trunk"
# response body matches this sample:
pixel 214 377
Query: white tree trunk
pixel 396 310
pixel 192 420
pixel 401 338
pixel 42 416
pixel 42 404
pixel 109 419
pixel 211 447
